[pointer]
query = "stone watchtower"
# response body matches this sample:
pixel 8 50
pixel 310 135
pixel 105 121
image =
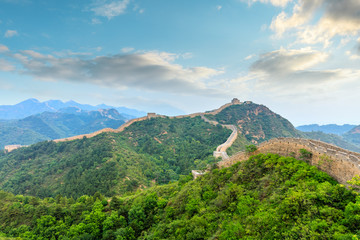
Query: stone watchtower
pixel 151 115
pixel 235 101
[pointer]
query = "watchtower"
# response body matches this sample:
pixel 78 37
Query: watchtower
pixel 235 101
pixel 151 115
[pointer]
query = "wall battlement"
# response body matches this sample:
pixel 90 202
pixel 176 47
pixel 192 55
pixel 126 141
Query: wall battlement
pixel 149 116
pixel 339 163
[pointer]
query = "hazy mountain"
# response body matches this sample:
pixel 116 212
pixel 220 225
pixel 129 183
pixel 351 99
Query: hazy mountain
pixel 66 122
pixel 353 135
pixel 333 139
pixel 33 106
pixel 328 128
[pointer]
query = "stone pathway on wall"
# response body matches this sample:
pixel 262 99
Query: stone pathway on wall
pixel 221 149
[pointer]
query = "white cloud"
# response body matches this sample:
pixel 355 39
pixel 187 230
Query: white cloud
pixel 95 21
pixel 110 9
pixel 3 48
pixel 249 57
pixel 11 33
pixel 294 73
pixel 6 66
pixel 127 49
pixel 285 61
pixel 153 71
pixel 355 53
pixel 187 55
pixel 319 21
pixel 277 3
pixel 219 7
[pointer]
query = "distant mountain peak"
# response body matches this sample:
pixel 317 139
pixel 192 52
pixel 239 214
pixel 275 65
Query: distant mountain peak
pixel 33 100
pixel 33 106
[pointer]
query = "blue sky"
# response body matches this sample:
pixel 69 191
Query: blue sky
pixel 301 58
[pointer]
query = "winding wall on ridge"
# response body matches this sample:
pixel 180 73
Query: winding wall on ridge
pixel 152 115
pixel 339 163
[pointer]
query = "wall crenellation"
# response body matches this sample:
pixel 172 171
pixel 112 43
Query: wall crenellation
pixel 339 163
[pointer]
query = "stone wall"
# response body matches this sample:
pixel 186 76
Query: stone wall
pixel 120 129
pixel 150 115
pixel 9 148
pixel 339 163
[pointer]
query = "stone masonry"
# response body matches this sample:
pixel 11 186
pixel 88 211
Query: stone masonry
pixel 339 163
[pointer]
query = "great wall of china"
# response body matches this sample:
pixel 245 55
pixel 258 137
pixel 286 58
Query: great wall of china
pixel 339 163
pixel 149 116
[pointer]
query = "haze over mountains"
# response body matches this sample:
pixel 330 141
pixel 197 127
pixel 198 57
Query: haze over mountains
pixel 63 123
pixel 328 128
pixel 346 136
pixel 33 106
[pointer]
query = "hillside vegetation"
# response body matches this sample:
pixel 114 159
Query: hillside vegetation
pixel 112 162
pixel 54 125
pixel 266 197
pixel 256 122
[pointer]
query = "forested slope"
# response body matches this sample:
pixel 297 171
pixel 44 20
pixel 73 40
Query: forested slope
pixel 113 162
pixel 266 197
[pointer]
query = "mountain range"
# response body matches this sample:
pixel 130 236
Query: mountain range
pixel 140 183
pixel 63 123
pixel 167 146
pixel 33 106
pixel 346 136
pixel 328 128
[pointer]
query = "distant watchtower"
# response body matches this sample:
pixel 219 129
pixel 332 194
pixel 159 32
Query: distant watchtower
pixel 235 101
pixel 151 115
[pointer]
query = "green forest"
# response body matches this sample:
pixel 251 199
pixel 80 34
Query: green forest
pixel 265 197
pixel 256 122
pixel 112 163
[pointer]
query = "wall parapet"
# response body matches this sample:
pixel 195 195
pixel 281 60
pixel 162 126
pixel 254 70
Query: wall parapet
pixel 339 163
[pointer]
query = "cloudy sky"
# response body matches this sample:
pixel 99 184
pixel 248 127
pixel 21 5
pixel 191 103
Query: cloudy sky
pixel 301 58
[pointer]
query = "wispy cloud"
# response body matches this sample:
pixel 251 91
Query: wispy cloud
pixel 6 66
pixel 10 33
pixel 294 73
pixel 3 48
pixel 278 3
pixel 109 9
pixel 249 57
pixel 95 21
pixel 127 49
pixel 152 71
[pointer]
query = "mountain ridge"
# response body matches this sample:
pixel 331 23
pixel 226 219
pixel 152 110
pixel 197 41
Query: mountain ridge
pixel 33 106
pixel 327 128
pixel 65 122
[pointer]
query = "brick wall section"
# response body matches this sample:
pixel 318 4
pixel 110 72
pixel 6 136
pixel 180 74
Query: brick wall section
pixel 339 163
pixel 150 115
pixel 9 148
pixel 120 129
